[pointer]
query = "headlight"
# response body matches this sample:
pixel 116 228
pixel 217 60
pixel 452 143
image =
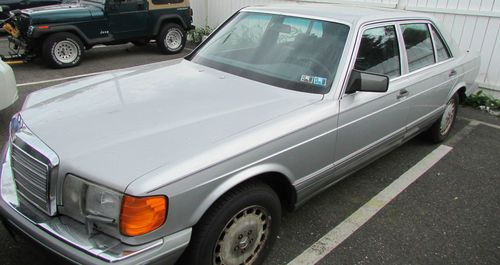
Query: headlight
pixel 93 205
pixel 30 30
pixel 103 209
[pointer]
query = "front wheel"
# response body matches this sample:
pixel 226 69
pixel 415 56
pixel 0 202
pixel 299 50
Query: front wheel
pixel 239 229
pixel 172 39
pixel 62 50
pixel 442 127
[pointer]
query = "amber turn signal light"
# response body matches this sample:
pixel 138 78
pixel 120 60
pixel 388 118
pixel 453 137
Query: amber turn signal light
pixel 141 215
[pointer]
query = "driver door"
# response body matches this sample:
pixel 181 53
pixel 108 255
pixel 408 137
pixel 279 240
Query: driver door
pixel 128 18
pixel 372 122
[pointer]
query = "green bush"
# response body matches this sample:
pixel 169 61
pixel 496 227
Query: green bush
pixel 481 99
pixel 196 35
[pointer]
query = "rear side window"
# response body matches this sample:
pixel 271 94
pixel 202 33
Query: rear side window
pixel 378 52
pixel 442 51
pixel 418 45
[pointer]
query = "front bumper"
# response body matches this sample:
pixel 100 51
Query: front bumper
pixel 69 239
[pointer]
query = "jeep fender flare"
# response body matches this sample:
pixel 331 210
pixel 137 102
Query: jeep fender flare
pixel 37 34
pixel 168 17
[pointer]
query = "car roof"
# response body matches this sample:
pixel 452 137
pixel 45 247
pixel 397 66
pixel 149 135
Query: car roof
pixel 349 14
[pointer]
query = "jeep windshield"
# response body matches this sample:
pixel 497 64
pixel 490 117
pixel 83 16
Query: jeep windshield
pixel 93 2
pixel 289 52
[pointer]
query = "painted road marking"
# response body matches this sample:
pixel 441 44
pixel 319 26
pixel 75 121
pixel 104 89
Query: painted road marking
pixel 463 133
pixel 344 230
pixel 169 62
pixel 476 122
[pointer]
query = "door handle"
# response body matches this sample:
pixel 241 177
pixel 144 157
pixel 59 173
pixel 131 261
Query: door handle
pixel 402 93
pixel 452 73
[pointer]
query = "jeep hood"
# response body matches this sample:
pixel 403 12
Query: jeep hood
pixel 63 13
pixel 112 131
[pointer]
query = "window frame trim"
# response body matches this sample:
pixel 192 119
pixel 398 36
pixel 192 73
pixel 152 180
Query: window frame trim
pixel 354 52
pixel 426 22
pixel 433 27
pixel 374 26
pixel 433 41
pixel 397 22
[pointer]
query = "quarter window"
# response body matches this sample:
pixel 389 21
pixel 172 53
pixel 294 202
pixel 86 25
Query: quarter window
pixel 418 46
pixel 441 49
pixel 378 52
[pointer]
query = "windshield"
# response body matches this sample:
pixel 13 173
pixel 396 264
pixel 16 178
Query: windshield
pixel 289 52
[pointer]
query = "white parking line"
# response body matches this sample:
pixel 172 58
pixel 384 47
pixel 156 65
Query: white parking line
pixel 337 235
pixel 476 122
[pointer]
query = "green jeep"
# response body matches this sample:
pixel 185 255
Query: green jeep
pixel 61 33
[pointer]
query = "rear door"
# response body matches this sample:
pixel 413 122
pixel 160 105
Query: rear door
pixel 127 18
pixel 369 122
pixel 430 74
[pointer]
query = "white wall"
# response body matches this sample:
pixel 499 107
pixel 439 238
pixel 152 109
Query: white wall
pixel 473 24
pixel 214 12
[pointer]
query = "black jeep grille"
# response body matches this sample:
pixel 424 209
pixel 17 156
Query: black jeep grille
pixel 23 24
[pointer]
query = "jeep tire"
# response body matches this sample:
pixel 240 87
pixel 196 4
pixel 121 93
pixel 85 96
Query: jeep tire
pixel 62 50
pixel 172 38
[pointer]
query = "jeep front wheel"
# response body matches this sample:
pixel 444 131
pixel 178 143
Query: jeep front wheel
pixel 62 50
pixel 172 39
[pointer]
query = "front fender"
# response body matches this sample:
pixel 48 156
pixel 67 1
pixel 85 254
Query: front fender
pixel 39 33
pixel 232 181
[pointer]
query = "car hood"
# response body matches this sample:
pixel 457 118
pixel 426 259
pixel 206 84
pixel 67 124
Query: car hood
pixel 63 13
pixel 113 131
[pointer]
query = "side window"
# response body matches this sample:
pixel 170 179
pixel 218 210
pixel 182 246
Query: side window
pixel 418 45
pixel 378 52
pixel 441 49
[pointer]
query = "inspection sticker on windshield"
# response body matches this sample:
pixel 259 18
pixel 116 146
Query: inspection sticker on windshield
pixel 315 80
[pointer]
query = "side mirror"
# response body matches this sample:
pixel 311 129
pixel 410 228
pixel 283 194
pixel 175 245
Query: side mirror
pixel 367 82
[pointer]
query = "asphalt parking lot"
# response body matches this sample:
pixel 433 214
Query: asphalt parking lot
pixel 448 215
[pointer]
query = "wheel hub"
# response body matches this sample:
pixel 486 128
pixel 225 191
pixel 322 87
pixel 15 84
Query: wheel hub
pixel 173 40
pixel 65 51
pixel 448 117
pixel 243 237
pixel 245 241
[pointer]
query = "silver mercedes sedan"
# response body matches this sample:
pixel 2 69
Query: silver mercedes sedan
pixel 195 162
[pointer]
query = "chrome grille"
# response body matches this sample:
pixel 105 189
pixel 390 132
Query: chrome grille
pixel 31 176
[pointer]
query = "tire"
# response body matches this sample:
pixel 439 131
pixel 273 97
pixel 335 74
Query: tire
pixel 442 127
pixel 62 50
pixel 239 228
pixel 172 39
